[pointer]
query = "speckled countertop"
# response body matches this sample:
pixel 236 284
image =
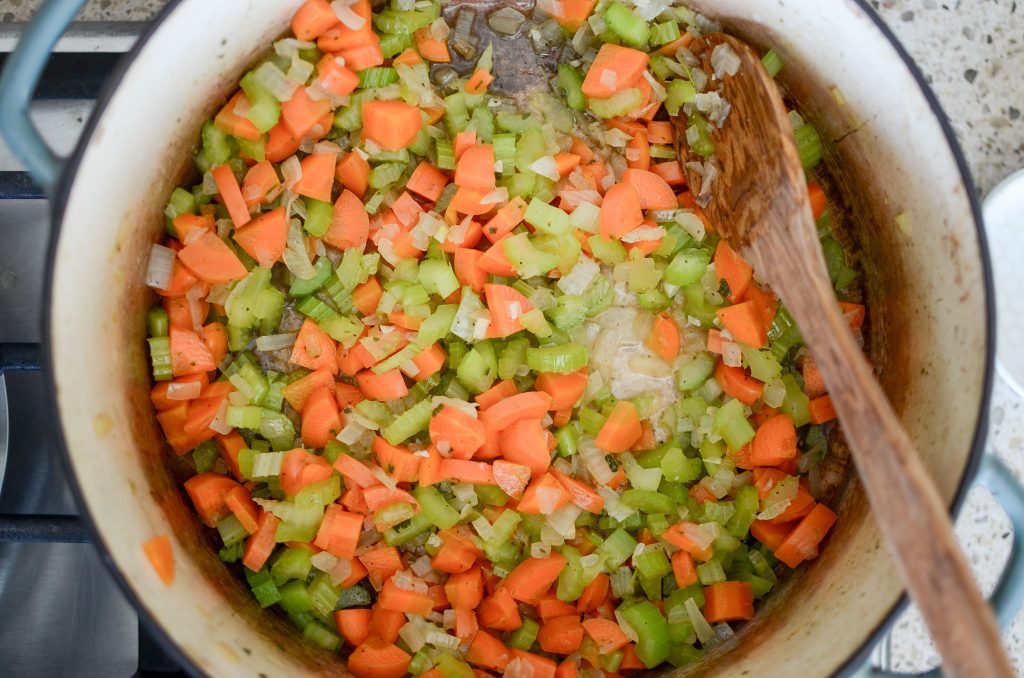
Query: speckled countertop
pixel 972 54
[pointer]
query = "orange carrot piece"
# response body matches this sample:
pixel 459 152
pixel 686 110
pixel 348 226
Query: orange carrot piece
pixel 683 569
pixel 549 607
pixel 240 503
pixel 376 658
pixel 189 354
pixel 653 192
pixel 737 383
pixel 594 593
pixel 321 421
pixel 822 410
pixel 463 471
pixel 317 176
pixel 530 579
pixel 260 180
pixel 620 210
pixel 475 169
pixel 510 477
pixel 350 224
pixel 525 442
pixel 505 219
pixel 478 82
pixel 528 405
pixel 817 198
pixel 340 37
pixel 353 172
pixel 429 362
pixel 731 267
pixel 160 554
pixel 506 306
pixel 495 261
pixel 505 388
pixel 498 611
pixel 354 624
pixel 638 155
pixel 313 18
pixel 814 383
pixel 621 430
pixel 212 261
pixel 566 162
pixel 467 268
pixel 230 445
pixel 234 124
pixel 298 392
pixel 465 589
pixel 744 322
pixel 260 545
pixel 339 532
pixel 391 124
pixel 314 348
pixel 335 77
pixel 453 557
pixel 158 395
pixel 463 140
pixel 202 411
pixel 366 297
pixel 565 389
pixel 430 48
pixel 770 534
pixel 388 385
pixel 580 493
pixel 671 172
pixel 623 63
pixel 665 338
pixel 554 496
pixel 427 181
pixel 774 442
pixel 265 237
pixel 561 635
pixel 172 421
pixel 488 651
pixel 397 461
pixel 854 314
pixel 681 535
pixel 300 113
pixel 392 597
pixel 608 635
pixel 462 433
pixel 661 132
pixel 573 13
pixel 728 601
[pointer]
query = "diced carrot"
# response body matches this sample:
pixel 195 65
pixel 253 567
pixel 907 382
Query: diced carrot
pixel 392 597
pixel 463 140
pixel 240 503
pixel 385 386
pixel 528 581
pixel 260 545
pixel 770 534
pixel 728 601
pixel 620 210
pixel 397 461
pixel 661 132
pixel 561 635
pixel 506 306
pixel 298 392
pixel 280 143
pixel 528 405
pixel 665 338
pixel 385 624
pixel 638 155
pixel 683 569
pixel 817 198
pixel 366 297
pixel 488 652
pixel 653 192
pixel 463 433
pixel 353 172
pixel 379 496
pixel 549 607
pixel 764 301
pixel 512 478
pixel 465 589
pixel 731 267
pixel 613 70
pixel 744 322
pixel 621 430
pixel 355 471
pixel 525 442
pixel 821 410
pixel 737 383
pixel 580 493
pixel 234 124
pixel 498 611
pixel 301 112
pixel 453 557
pixel 230 445
pixel 375 658
pixel 572 13
pixel 671 172
pixel 463 471
pixel 354 624
pixel 320 418
pixel 681 535
pixel 312 19
pixel 265 237
pixel 608 635
pixel 382 562
pixel 468 270
pixel 565 389
pixel 430 48
pixel 158 395
pixel 594 593
pixel 429 362
pixel 427 181
pixel 391 124
pixel 339 532
pixel 160 554
pixel 314 348
pixel 212 261
pixel 475 169
pixel 774 441
pixel 340 37
pixel 501 390
pixel 540 667
pixel 495 261
pixel 478 82
pixel 505 219
pixel 544 496
pixel 317 176
pixel 202 411
pixel 189 354
pixel 854 314
pixel 350 224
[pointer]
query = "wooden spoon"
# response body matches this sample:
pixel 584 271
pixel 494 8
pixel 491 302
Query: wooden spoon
pixel 759 203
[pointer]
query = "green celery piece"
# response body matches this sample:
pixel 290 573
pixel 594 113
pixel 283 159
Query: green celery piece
pixel 618 104
pixel 319 215
pixel 680 469
pixel 570 80
pixel 512 357
pixel 401 22
pixel 180 202
pixel 747 506
pixel 291 563
pixel 808 143
pixel 570 581
pixel 648 501
pixel 530 148
pixel 295 598
pixel 664 33
pixel 772 62
pixel 654 300
pixel 321 636
pixel 377 76
pixel 302 288
pixel 547 218
pixel 692 375
pixel 568 438
pixel 492 495
pixel 437 277
pixel 687 267
pixel 654 643
pixel 263 587
pixel 730 423
pixel 562 359
pixel 385 174
pixel 160 358
pixel 679 92
pixel 698 135
pixel 482 122
pixel 445 153
pixel 478 368
pixel 763 365
pixel 409 423
pixel 323 593
pixel 215 144
pixel 435 507
pixel 607 250
pixel 526 259
pixel 452 667
pixel 629 27
pixel 409 530
pixel 796 402
pixel 616 549
pixel 525 636
pixel 512 122
pixel 436 326
pixel 456 113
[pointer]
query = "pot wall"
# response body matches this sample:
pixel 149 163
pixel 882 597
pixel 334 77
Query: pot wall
pixel 888 155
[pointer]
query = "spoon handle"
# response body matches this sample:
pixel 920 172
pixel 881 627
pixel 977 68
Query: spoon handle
pixel 904 500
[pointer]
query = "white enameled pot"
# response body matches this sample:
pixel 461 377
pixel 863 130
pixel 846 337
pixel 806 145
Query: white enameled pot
pixel 889 152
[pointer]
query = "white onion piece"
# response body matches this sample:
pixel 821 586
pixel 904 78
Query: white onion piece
pixel 518 668
pixel 291 170
pixel 579 278
pixel 732 355
pixel 700 625
pixel 161 267
pixel 539 549
pixel 194 235
pixel 546 166
pixel 461 405
pixel 498 195
pixel 347 15
pixel 275 342
pixel 188 390
pixel 274 81
pixel 352 432
pixel 724 60
pixel 219 422
pixel 414 633
pixel 643 234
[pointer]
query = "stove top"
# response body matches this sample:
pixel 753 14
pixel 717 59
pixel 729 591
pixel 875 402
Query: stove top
pixel 64 614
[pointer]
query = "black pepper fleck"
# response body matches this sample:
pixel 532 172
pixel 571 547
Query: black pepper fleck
pixel 970 74
pixel 1014 113
pixel 907 16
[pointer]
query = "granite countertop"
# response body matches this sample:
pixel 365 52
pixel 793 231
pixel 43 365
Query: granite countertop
pixel 972 54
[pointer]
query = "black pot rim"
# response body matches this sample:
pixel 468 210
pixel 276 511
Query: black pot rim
pixel 148 619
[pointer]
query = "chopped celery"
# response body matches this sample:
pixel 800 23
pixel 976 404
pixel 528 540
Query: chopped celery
pixel 687 267
pixel 763 365
pixel 292 563
pixel 263 587
pixel 445 154
pixel 449 666
pixel 435 508
pixel 456 114
pixel 323 593
pixel 561 359
pixel 320 635
pixel 648 501
pixel 568 439
pixel 772 62
pixel 437 277
pixel 526 259
pixel 482 122
pixel 525 636
pixel 731 424
pixel 492 495
pixel 513 357
pixel 796 403
pixel 409 530
pixel 377 76
pixel 710 572
pixel 746 506
pixel 692 375
pixel 215 145
pixel 651 628
pixel 616 549
pixel 409 423
pixel 401 22
pixel 478 368
pixel 608 250
pixel 680 469
pixel 570 80
pixel 630 28
pixel 385 174
pixel 664 33
pixel 160 357
pixel 205 455
pixel 318 217
pixel 547 218
pixel 302 288
pixel 698 135
pixel 618 104
pixel 570 581
pixel 808 143
pixel 505 151
pixel 679 92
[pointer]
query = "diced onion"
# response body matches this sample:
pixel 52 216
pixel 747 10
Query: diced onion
pixel 461 405
pixel 275 342
pixel 291 170
pixel 518 668
pixel 414 633
pixel 578 279
pixel 352 432
pixel 219 422
pixel 724 60
pixel 499 195
pixel 540 550
pixel 347 15
pixel 483 528
pixel 622 582
pixel 700 625
pixel 732 355
pixel 272 79
pixel 644 234
pixel 161 267
pixel 546 166
pixel 774 393
pixel 188 390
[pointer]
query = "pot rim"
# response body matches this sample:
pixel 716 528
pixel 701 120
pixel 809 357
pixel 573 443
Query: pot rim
pixel 58 204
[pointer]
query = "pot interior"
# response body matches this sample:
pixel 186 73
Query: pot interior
pixel 886 155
